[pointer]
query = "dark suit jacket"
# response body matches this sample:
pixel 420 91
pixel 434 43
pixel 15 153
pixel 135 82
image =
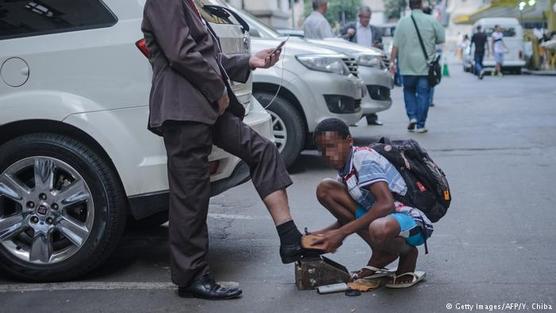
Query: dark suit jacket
pixel 375 31
pixel 187 74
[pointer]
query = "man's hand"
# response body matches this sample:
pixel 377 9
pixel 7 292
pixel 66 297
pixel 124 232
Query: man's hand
pixel 223 103
pixel 264 58
pixel 331 240
pixel 350 32
pixel 393 68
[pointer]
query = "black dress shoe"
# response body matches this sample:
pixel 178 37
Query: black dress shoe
pixel 295 252
pixel 206 288
pixel 372 119
pixel 291 253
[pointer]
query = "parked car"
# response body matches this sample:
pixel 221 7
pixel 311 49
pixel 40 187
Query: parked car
pixel 514 60
pixel 373 70
pixel 76 158
pixel 313 83
pixel 373 63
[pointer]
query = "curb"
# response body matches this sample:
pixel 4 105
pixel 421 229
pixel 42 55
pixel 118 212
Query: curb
pixel 539 73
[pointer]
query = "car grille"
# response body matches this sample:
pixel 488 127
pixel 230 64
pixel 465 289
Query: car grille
pixel 342 104
pixel 357 105
pixel 378 92
pixel 386 61
pixel 352 65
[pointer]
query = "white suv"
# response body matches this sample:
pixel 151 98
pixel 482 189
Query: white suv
pixel 76 158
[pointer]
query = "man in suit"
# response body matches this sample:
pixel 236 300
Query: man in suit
pixel 367 35
pixel 192 107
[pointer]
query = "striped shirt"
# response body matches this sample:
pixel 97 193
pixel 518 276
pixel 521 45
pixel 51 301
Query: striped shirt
pixel 366 167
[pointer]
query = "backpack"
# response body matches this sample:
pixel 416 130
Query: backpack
pixel 427 186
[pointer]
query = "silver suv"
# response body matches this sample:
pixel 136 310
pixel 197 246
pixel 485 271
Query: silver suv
pixel 76 159
pixel 313 83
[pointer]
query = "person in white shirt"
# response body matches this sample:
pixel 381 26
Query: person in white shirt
pixel 362 32
pixel 316 26
pixel 499 49
pixel 367 35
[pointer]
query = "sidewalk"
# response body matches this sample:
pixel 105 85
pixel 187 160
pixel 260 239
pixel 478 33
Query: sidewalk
pixel 540 73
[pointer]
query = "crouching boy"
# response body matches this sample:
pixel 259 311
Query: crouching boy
pixel 362 199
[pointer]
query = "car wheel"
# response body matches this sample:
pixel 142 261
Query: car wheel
pixel 62 208
pixel 287 126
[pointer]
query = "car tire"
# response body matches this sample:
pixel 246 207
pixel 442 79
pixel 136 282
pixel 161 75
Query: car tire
pixel 287 124
pixel 77 220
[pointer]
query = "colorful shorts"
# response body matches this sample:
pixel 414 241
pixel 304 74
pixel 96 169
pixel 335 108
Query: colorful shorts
pixel 408 226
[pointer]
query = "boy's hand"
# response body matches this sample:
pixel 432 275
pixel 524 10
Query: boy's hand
pixel 330 241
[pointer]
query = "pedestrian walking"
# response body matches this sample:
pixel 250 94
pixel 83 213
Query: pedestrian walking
pixel 499 49
pixel 192 108
pixel 480 41
pixel 367 35
pixel 417 29
pixel 316 26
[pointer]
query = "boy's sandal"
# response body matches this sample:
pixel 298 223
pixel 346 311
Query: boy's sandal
pixel 418 276
pixel 378 273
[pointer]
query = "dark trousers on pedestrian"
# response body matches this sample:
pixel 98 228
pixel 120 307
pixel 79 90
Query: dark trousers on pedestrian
pixel 479 57
pixel 188 145
pixel 417 98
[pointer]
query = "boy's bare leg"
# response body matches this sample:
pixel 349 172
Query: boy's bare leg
pixel 335 198
pixel 382 235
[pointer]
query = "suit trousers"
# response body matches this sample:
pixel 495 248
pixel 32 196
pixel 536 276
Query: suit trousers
pixel 188 145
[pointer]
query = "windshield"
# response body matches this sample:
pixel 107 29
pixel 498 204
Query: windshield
pixel 506 31
pixel 264 31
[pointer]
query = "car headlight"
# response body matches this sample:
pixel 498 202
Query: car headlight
pixel 370 61
pixel 324 63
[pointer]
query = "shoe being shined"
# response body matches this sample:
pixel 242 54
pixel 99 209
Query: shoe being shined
pixel 291 253
pixel 295 252
pixel 206 287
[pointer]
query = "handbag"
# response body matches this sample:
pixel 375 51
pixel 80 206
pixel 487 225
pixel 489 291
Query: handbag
pixel 435 72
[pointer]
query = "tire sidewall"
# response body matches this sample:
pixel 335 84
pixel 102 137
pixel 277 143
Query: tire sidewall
pixel 294 125
pixel 68 152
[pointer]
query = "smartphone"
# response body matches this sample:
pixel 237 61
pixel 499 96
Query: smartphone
pixel 280 45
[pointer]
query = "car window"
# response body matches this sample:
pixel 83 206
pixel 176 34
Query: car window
pixel 20 18
pixel 506 31
pixel 263 30
pixel 213 18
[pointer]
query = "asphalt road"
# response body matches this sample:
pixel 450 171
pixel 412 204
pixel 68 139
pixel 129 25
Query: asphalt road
pixel 496 246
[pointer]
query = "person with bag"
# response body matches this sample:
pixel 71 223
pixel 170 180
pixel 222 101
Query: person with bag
pixel 369 198
pixel 414 47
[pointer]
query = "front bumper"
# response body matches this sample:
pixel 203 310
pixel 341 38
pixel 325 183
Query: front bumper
pixel 324 89
pixel 378 85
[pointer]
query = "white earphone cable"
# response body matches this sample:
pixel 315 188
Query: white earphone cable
pixel 282 54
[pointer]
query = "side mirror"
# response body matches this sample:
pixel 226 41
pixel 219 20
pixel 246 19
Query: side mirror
pixel 225 13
